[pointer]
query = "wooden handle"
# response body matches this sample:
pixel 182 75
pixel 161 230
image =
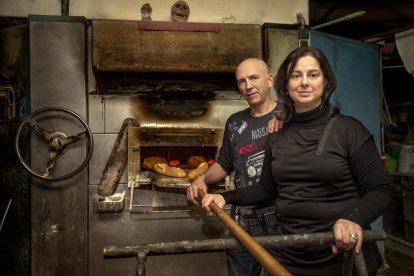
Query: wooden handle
pixel 261 255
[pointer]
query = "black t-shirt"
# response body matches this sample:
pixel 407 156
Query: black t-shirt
pixel 242 151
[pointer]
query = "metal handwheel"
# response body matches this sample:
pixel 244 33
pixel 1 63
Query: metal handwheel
pixel 57 142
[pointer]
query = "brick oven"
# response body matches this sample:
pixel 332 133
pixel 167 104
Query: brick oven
pixel 178 72
pixel 176 83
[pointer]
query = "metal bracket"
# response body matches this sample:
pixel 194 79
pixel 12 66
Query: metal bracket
pixel 7 104
pixel 110 204
pixel 304 37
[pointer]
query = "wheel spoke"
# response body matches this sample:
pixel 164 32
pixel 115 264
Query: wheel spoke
pixel 74 138
pixel 39 129
pixel 50 163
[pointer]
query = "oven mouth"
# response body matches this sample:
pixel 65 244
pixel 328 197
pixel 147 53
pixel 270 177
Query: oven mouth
pixel 172 144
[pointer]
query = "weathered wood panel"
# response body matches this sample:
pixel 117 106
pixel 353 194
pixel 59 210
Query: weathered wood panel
pixel 121 46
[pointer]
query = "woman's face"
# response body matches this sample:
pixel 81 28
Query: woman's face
pixel 306 84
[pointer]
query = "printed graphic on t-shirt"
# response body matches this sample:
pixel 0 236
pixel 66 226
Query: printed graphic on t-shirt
pixel 248 151
pixel 232 127
pixel 254 164
pixel 243 126
pixel 259 133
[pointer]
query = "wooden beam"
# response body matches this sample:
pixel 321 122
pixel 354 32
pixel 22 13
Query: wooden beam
pixel 178 26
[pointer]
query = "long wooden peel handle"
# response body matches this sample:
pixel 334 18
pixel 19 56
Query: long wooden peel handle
pixel 261 254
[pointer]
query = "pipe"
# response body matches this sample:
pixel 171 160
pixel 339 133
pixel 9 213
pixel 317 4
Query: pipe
pixel 142 251
pixel 351 258
pixel 348 264
pixel 213 245
pixel 359 261
pixel 345 18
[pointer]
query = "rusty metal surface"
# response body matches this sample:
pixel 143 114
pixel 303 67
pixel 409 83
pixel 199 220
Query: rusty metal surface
pixel 287 41
pixel 58 209
pixel 158 219
pixel 174 136
pixel 7 103
pixel 119 46
pixel 168 83
pixel 360 264
pixel 126 228
pixel 107 112
pixel 101 152
pixel 108 204
pixel 142 251
pixel 163 181
pixel 117 160
pixel 188 246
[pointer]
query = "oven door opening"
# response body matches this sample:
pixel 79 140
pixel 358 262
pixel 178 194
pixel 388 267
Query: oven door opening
pixel 175 147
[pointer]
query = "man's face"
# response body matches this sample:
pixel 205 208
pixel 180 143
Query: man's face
pixel 254 81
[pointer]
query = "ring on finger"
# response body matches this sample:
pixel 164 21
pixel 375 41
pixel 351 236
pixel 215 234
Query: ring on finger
pixel 353 236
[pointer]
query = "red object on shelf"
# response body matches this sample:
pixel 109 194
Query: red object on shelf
pixel 174 163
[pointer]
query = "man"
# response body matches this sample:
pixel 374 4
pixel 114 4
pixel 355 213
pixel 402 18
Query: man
pixel 243 152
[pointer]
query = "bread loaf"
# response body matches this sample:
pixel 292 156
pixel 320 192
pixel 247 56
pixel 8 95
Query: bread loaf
pixel 194 161
pixel 164 169
pixel 202 168
pixel 150 162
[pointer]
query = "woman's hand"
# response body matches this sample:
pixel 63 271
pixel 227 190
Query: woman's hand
pixel 274 125
pixel 347 235
pixel 209 198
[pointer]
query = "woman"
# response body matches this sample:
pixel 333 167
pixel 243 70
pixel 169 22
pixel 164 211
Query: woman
pixel 322 167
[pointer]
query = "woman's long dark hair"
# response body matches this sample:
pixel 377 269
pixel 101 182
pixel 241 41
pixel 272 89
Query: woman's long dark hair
pixel 283 75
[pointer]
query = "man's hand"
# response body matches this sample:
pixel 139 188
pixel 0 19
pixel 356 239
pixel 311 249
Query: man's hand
pixel 208 198
pixel 348 235
pixel 192 195
pixel 274 125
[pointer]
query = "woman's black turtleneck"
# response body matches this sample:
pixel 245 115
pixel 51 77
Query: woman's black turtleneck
pixel 346 179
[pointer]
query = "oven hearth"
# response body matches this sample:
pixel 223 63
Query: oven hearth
pixel 170 143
